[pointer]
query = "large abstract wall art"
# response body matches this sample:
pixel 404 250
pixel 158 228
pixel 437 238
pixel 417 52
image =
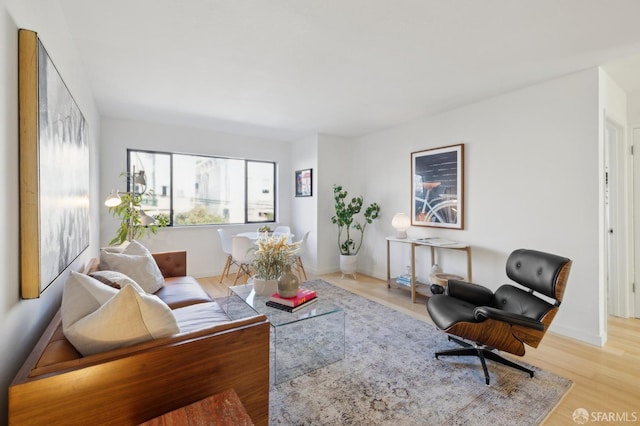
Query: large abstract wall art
pixel 54 170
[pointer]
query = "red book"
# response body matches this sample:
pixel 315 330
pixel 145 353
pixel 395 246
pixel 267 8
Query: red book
pixel 303 296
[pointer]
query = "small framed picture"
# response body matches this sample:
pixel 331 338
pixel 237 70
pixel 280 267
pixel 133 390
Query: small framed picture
pixel 304 183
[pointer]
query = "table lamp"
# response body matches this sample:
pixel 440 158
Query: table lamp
pixel 401 223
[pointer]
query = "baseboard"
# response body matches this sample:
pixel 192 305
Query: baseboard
pixel 578 335
pixel 324 271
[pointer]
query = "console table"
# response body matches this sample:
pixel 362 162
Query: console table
pixel 434 244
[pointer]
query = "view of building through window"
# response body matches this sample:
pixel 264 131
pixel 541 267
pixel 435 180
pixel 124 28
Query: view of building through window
pixel 260 191
pixel 197 190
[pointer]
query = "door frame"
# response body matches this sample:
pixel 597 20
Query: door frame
pixel 634 139
pixel 620 163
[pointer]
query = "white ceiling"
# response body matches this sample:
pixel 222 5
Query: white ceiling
pixel 290 68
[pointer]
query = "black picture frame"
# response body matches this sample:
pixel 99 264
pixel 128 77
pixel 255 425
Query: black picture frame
pixel 304 183
pixel 437 187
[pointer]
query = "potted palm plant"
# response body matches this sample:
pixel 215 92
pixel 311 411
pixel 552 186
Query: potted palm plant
pixel 350 229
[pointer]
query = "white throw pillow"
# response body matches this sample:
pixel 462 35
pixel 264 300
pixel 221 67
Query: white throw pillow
pixel 81 296
pixel 116 249
pixel 127 318
pixel 134 247
pixel 137 263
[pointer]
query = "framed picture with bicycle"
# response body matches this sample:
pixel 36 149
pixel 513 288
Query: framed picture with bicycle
pixel 437 185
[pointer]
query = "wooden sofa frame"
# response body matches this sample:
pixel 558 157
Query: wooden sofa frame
pixel 137 383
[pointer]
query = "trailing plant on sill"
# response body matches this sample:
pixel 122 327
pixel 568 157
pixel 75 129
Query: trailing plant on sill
pixel 345 219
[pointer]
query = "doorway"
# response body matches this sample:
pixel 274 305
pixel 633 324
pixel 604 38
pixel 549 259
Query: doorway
pixel 618 201
pixel 635 167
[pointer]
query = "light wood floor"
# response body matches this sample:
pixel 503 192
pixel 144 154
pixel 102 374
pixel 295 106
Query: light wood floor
pixel 605 379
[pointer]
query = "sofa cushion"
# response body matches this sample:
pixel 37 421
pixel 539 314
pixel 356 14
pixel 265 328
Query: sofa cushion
pixel 115 279
pixel 128 317
pixel 136 262
pixel 182 291
pixel 200 316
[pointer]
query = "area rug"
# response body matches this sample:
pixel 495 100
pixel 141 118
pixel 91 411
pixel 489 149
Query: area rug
pixel 389 376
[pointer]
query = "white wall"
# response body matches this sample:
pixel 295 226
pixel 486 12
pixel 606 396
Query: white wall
pixel 304 210
pixel 205 256
pixel 22 321
pixel 330 158
pixel 633 108
pixel 531 180
pixel 336 166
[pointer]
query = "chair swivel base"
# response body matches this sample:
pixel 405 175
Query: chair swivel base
pixel 482 352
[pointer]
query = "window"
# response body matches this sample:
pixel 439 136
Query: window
pixel 199 190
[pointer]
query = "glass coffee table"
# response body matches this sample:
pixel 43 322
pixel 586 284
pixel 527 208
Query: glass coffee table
pixel 302 341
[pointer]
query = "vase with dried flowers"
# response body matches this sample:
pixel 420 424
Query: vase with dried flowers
pixel 270 260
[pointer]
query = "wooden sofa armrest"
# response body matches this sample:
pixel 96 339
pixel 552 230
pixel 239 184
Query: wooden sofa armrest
pixel 161 376
pixel 172 263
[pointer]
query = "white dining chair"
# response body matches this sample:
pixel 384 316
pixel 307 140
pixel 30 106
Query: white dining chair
pixel 242 253
pixel 225 240
pixel 282 230
pixel 298 262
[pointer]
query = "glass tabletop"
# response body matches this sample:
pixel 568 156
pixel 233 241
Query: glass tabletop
pixel 276 317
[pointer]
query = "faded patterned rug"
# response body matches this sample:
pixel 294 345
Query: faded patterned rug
pixel 389 376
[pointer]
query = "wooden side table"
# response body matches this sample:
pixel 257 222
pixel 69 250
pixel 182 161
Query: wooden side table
pixel 415 286
pixel 221 409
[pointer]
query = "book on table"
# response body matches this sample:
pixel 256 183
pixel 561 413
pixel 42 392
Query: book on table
pixel 304 295
pixel 436 241
pixel 404 280
pixel 286 308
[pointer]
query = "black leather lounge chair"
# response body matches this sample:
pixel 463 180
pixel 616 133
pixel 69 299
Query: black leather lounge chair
pixel 510 317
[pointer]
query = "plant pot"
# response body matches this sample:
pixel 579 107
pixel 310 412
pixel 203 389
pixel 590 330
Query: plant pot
pixel 264 287
pixel 348 264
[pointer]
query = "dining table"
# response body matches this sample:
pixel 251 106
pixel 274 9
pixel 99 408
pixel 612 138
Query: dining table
pixel 254 235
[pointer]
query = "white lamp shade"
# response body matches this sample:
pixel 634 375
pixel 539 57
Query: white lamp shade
pixel 113 199
pixel 401 223
pixel 145 219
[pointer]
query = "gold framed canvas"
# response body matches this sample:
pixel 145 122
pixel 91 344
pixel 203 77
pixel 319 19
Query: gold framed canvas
pixel 54 170
pixel 437 187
